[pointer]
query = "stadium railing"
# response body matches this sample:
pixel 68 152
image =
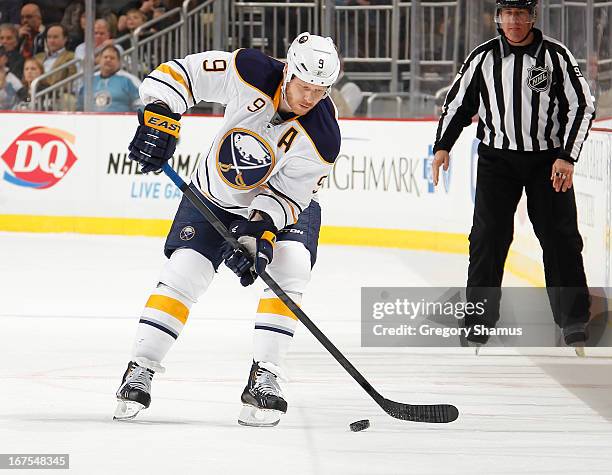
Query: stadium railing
pixel 412 49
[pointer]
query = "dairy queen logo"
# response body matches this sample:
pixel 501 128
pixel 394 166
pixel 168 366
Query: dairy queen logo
pixel 39 158
pixel 539 78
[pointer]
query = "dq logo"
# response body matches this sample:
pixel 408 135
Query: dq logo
pixel 244 159
pixel 39 158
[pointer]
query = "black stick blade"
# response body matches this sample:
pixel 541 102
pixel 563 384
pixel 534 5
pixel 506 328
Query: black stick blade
pixel 434 413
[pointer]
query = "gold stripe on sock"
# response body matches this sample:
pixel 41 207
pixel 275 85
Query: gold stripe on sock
pixel 172 307
pixel 276 307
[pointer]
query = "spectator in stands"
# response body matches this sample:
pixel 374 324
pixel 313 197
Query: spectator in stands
pixel 32 68
pixel 130 21
pixel 9 40
pixel 9 83
pixel 167 5
pixel 7 91
pixel 134 19
pixel 56 54
pixel 32 31
pixel 102 38
pixel 115 90
pixel 72 21
pixel 111 18
pixel 10 76
pixel 151 8
pixel 10 11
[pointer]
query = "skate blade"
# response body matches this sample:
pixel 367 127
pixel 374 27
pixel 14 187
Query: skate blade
pixel 255 417
pixel 580 352
pixel 126 410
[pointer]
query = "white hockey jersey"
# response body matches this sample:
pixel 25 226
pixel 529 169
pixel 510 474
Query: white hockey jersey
pixel 258 159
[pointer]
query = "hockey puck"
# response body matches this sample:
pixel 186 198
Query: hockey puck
pixel 360 425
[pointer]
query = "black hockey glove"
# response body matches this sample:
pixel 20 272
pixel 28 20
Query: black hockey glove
pixel 156 136
pixel 258 238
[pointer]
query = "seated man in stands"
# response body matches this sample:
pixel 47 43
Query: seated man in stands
pixel 102 38
pixel 115 90
pixel 56 54
pixel 9 40
pixel 32 31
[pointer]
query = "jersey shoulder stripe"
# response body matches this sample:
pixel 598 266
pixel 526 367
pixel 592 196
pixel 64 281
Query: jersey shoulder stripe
pixel 322 128
pixel 554 43
pixel 259 70
pixel 485 47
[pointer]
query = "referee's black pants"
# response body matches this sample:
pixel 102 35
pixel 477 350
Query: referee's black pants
pixel 502 175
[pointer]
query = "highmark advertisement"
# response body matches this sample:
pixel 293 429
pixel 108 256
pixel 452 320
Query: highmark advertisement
pixel 70 173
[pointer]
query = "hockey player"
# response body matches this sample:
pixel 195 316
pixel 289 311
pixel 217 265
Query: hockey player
pixel 278 142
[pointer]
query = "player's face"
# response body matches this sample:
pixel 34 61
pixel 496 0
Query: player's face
pixel 302 96
pixel 516 23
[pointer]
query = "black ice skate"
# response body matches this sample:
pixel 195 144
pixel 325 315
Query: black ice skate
pixel 134 393
pixel 262 397
pixel 576 335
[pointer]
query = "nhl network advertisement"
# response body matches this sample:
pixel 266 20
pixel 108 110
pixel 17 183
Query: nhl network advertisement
pixel 55 165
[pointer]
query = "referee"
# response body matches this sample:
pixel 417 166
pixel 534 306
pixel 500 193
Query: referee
pixel 535 111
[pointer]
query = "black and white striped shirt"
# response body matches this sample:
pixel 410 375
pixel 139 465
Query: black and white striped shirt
pixel 527 98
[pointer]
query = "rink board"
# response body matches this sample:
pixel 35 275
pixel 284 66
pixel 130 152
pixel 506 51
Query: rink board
pixel 70 173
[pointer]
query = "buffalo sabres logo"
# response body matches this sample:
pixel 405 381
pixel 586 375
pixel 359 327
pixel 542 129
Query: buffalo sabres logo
pixel 244 159
pixel 303 39
pixel 539 78
pixel 187 233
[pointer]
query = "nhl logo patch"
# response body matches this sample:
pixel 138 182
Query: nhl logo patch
pixel 187 233
pixel 539 78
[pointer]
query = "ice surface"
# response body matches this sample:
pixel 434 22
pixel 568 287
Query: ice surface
pixel 68 311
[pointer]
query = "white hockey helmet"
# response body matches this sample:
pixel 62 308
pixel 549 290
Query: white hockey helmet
pixel 313 59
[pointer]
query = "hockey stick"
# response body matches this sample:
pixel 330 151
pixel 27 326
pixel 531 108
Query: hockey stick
pixel 438 413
